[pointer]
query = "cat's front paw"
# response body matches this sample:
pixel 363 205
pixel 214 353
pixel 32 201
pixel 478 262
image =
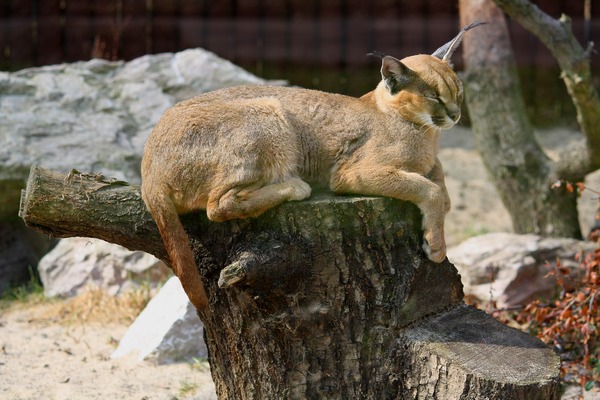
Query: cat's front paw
pixel 435 248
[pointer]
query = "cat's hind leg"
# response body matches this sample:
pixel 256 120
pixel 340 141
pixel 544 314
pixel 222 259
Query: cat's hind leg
pixel 253 200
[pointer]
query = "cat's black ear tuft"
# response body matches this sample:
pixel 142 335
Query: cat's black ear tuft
pixel 445 52
pixel 377 54
pixel 396 76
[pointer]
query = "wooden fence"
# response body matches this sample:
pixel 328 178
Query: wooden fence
pixel 312 43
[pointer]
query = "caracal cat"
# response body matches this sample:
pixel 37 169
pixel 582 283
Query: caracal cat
pixel 240 151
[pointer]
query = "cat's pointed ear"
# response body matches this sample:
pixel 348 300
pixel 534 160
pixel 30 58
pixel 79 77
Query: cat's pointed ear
pixel 445 52
pixel 396 76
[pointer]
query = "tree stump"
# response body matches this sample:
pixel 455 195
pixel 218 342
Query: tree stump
pixel 329 298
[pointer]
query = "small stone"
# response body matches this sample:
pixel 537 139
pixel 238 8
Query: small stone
pixel 77 263
pixel 512 269
pixel 167 330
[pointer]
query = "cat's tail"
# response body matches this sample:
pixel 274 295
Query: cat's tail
pixel 177 244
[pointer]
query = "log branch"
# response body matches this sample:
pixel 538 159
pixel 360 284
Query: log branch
pixel 261 260
pixel 89 205
pixel 574 62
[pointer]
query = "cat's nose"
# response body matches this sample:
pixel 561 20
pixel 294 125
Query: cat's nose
pixel 453 112
pixel 454 116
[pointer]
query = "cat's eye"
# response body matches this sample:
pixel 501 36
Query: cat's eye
pixel 433 97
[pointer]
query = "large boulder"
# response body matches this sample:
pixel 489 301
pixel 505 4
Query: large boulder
pixel 96 115
pixel 512 269
pixel 167 330
pixel 78 263
pixel 93 116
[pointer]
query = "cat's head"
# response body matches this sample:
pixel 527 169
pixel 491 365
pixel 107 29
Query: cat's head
pixel 424 89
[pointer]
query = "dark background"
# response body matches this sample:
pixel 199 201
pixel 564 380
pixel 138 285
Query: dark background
pixel 311 43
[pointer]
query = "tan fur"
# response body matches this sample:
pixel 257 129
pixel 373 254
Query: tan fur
pixel 240 151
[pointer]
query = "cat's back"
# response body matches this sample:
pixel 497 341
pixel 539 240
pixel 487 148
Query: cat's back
pixel 304 110
pixel 289 96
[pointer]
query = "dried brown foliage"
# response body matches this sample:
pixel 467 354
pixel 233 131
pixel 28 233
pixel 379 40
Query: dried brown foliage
pixel 93 305
pixel 570 323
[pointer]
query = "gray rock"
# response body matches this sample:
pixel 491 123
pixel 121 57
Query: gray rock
pixel 96 115
pixel 510 268
pixel 77 263
pixel 167 330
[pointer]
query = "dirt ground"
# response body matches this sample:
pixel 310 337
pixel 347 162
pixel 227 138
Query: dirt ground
pixel 43 357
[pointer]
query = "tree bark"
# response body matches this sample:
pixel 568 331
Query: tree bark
pixel 574 61
pixel 521 171
pixel 330 298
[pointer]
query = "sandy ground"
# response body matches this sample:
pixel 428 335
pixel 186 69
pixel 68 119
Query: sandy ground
pixel 43 359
